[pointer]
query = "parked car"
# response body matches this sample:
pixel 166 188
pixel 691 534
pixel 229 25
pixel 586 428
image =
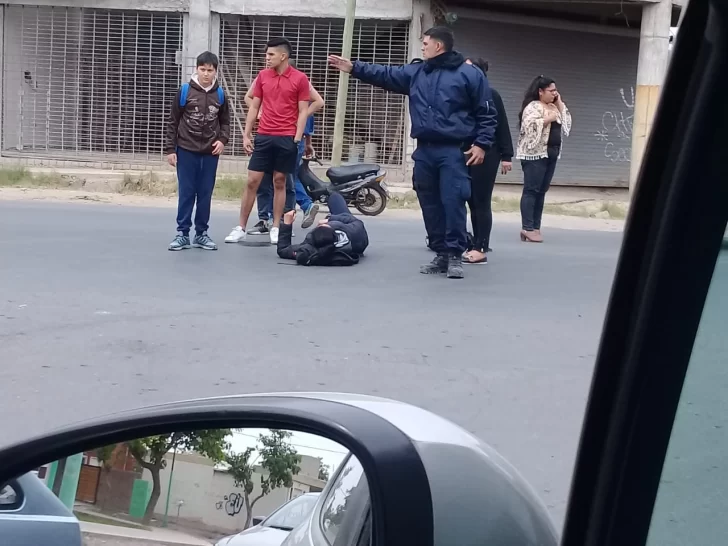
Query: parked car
pixel 31 514
pixel 274 529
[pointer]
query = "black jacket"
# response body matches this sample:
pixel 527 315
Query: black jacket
pixel 503 140
pixel 307 254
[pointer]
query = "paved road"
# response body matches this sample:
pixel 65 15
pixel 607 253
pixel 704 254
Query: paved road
pixel 97 316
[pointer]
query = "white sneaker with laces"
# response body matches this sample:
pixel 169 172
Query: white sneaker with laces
pixel 274 235
pixel 236 235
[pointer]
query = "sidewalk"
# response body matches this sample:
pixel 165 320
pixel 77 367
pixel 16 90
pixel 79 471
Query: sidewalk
pixel 96 534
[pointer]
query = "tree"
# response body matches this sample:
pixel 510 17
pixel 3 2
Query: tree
pixel 105 456
pixel 150 453
pixel 323 474
pixel 277 456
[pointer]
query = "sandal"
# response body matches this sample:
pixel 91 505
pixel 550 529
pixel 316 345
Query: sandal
pixel 469 259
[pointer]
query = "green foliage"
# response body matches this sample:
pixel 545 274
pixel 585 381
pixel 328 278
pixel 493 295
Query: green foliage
pixel 324 471
pixel 103 454
pixel 150 452
pixel 276 456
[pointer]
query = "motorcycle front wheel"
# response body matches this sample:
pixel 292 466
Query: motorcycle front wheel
pixel 370 200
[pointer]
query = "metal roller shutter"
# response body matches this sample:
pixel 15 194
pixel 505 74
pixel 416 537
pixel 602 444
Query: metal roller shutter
pixel 374 116
pixel 88 82
pixel 596 75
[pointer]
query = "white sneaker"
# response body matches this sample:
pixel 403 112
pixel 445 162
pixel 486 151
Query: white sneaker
pixel 274 235
pixel 236 235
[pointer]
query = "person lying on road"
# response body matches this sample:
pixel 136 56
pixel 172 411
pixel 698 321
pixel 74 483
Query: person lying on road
pixel 338 240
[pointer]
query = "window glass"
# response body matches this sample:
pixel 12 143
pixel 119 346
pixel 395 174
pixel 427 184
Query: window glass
pixel 8 497
pixel 293 513
pixel 336 515
pixel 692 499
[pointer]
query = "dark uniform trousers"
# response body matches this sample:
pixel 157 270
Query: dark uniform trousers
pixel 442 183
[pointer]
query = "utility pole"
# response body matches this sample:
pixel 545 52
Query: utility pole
pixel 343 93
pixel 654 56
pixel 169 490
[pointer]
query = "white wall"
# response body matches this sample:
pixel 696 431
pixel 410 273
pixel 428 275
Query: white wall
pixel 365 9
pixel 208 495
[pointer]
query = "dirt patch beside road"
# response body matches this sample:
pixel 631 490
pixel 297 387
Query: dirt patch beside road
pixel 140 200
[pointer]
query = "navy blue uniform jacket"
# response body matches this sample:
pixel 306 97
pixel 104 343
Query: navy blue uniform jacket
pixel 450 100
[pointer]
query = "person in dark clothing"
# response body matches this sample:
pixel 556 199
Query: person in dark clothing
pixel 482 179
pixel 197 131
pixel 337 241
pixel 449 102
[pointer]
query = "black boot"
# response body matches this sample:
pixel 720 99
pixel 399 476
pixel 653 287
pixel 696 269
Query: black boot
pixel 455 267
pixel 436 266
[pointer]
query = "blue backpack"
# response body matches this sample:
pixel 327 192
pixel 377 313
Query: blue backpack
pixel 186 91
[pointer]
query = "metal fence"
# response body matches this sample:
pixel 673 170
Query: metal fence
pixel 96 84
pixel 375 121
pixel 88 82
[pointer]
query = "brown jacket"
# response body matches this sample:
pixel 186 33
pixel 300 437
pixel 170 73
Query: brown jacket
pixel 201 122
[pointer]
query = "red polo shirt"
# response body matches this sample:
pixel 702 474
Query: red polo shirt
pixel 280 95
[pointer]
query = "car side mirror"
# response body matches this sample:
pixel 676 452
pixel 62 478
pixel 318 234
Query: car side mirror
pixel 415 477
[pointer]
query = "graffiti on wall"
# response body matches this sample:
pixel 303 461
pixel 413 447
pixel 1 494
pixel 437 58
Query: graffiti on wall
pixel 232 503
pixel 616 130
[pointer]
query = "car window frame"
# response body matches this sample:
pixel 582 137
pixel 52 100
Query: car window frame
pixel 351 533
pixel 19 497
pixel 672 240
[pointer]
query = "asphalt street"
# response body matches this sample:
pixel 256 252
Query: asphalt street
pixel 97 316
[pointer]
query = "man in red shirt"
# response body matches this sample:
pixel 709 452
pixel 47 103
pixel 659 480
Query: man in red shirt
pixel 284 94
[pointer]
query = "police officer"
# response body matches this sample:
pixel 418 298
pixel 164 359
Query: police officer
pixel 450 104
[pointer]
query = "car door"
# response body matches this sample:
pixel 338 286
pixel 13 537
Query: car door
pixel 31 515
pixel 650 467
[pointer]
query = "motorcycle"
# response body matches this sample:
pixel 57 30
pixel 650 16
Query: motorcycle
pixel 361 185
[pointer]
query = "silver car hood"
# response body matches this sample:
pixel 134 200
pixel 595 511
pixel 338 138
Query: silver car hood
pixel 256 536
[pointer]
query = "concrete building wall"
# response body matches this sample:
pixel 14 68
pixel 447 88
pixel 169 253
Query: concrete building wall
pixel 365 9
pixel 209 499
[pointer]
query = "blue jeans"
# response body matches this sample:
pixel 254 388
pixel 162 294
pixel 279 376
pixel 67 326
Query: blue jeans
pixel 537 176
pixel 337 204
pixel 195 181
pixel 265 197
pixel 302 198
pixel 442 184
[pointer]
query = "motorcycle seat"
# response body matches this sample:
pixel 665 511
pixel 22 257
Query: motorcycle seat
pixel 347 173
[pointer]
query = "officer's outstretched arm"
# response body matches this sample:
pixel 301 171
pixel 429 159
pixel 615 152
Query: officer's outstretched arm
pixel 392 78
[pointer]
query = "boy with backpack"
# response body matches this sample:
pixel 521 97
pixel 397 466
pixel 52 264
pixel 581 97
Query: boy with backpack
pixel 197 132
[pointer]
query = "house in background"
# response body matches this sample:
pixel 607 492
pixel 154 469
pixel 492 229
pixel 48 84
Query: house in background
pixel 204 497
pixel 89 86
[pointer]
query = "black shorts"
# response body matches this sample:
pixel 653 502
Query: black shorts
pixel 274 154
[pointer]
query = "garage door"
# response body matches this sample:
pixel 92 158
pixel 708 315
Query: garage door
pixel 88 482
pixel 88 82
pixel 596 75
